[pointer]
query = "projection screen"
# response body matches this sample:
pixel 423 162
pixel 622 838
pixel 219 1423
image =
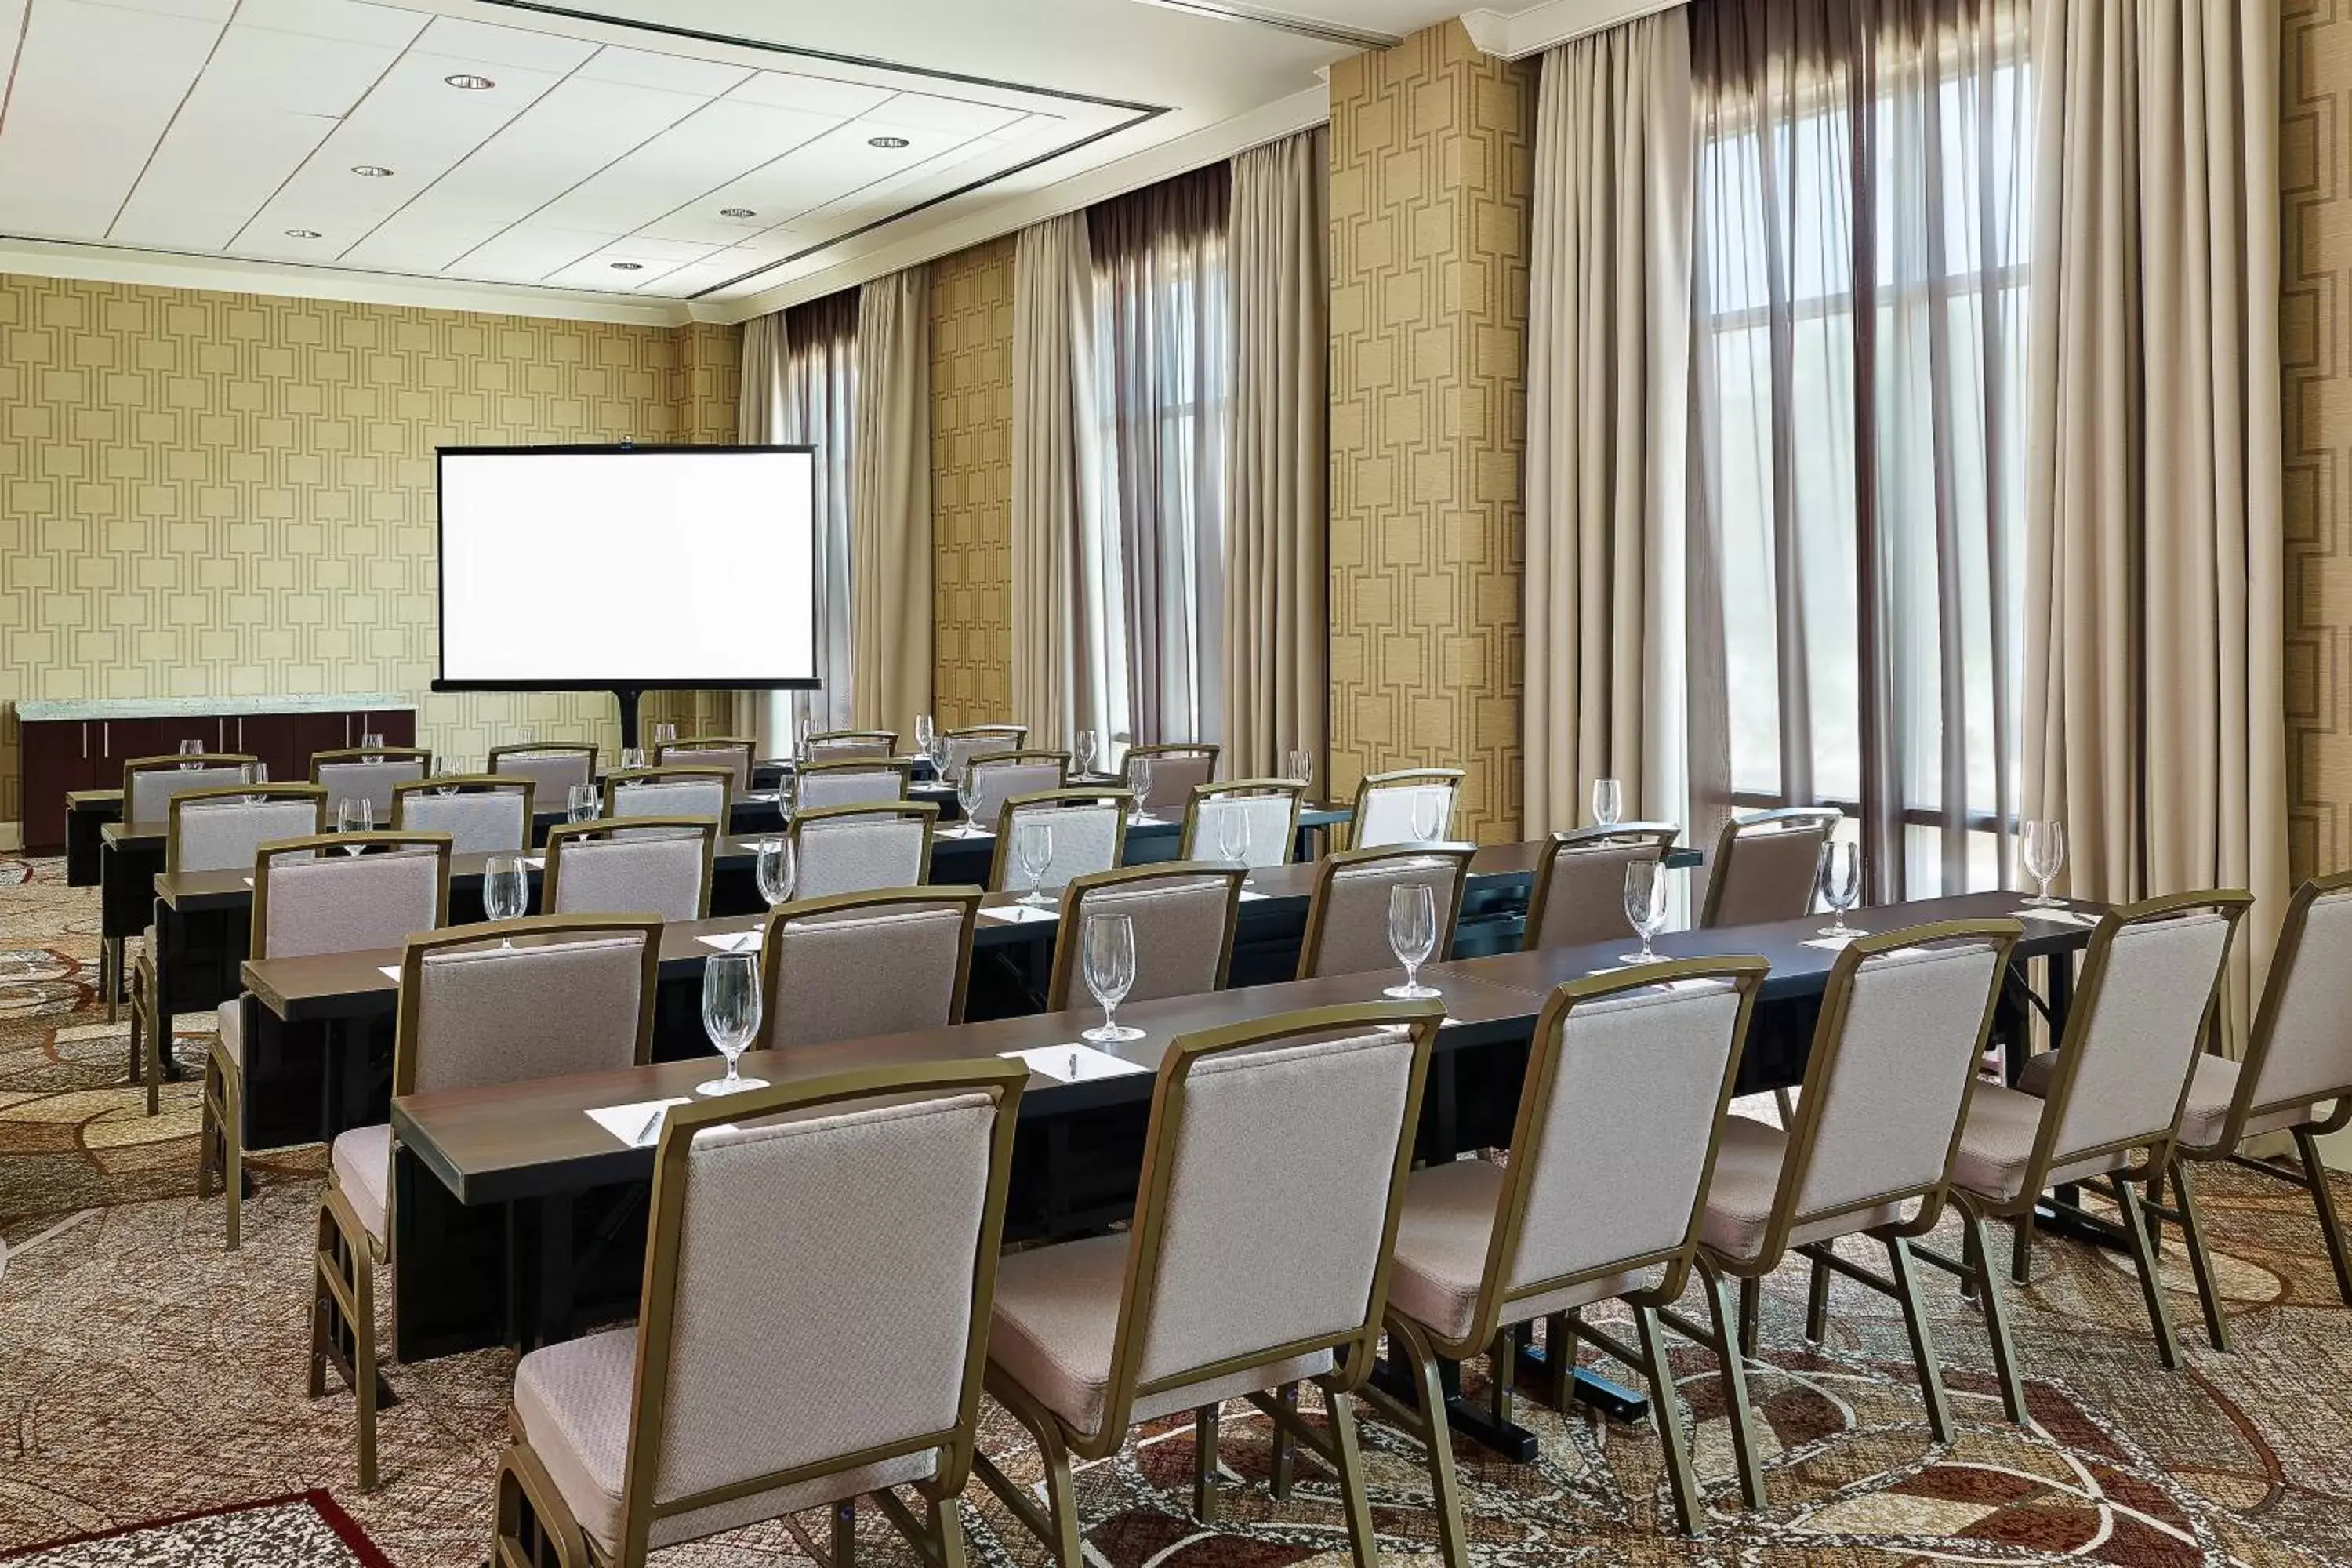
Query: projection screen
pixel 626 567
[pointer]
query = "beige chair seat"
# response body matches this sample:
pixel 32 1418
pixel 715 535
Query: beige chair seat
pixel 1997 1144
pixel 1440 1252
pixel 232 1029
pixel 1748 1176
pixel 2211 1088
pixel 573 1401
pixel 361 1161
pixel 1057 1318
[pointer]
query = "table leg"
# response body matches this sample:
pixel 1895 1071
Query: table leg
pixel 1612 1398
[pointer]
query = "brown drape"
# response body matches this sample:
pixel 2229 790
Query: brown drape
pixel 890 505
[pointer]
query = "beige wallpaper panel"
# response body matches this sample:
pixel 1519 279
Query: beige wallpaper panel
pixel 971 484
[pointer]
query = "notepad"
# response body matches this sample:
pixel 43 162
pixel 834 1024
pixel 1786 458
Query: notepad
pixel 536 862
pixel 733 942
pixel 1016 914
pixel 1076 1063
pixel 1249 893
pixel 390 972
pixel 2058 917
pixel 249 881
pixel 761 795
pixel 1835 943
pixel 638 1126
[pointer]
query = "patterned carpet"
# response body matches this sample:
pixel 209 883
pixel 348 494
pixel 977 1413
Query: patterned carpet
pixel 146 1374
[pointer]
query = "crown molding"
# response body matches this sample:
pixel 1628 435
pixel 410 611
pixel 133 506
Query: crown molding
pixel 1516 35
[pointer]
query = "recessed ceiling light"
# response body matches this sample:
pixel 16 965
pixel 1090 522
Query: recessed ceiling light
pixel 371 171
pixel 628 267
pixel 737 212
pixel 465 81
pixel 888 143
pixel 301 234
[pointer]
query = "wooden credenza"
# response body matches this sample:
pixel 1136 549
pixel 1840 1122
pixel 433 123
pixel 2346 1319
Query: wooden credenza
pixel 82 745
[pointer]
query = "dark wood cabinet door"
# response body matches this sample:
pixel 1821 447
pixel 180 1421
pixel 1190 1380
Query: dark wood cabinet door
pixel 121 741
pixel 271 738
pixel 203 728
pixel 316 732
pixel 57 757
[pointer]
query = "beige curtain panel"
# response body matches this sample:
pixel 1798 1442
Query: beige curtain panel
pixel 1277 570
pixel 759 420
pixel 1609 381
pixel 890 505
pixel 2154 705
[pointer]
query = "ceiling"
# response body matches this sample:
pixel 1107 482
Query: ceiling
pixel 701 157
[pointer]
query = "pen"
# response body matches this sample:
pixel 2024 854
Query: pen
pixel 1074 1067
pixel 651 1123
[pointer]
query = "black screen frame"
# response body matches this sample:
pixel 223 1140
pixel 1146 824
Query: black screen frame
pixel 441 682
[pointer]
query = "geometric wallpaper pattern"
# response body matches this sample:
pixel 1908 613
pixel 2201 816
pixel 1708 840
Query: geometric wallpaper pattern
pixel 1432 165
pixel 208 494
pixel 971 484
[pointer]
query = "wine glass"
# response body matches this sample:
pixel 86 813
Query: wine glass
pixel 191 749
pixel 775 869
pixel 632 758
pixel 966 788
pixel 800 741
pixel 1033 846
pixel 1841 883
pixel 1608 803
pixel 663 735
pixel 1300 766
pixel 580 802
pixel 731 1016
pixel 1412 936
pixel 1645 905
pixel 355 814
pixel 2044 849
pixel 371 744
pixel 1110 952
pixel 1233 837
pixel 506 891
pixel 1428 813
pixel 1083 751
pixel 926 732
pixel 1139 779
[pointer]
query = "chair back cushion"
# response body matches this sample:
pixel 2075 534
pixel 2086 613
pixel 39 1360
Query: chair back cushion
pixel 1173 776
pixel 999 781
pixel 859 854
pixel 1587 900
pixel 552 773
pixel 2311 1028
pixel 1268 816
pixel 734 759
pixel 1768 876
pixel 371 782
pixel 867 972
pixel 705 798
pixel 1355 933
pixel 151 789
pixel 1387 813
pixel 478 821
pixel 2140 1042
pixel 1085 840
pixel 876 751
pixel 348 903
pixel 851 786
pixel 649 872
pixel 1180 930
pixel 1278 1198
pixel 223 834
pixel 963 749
pixel 493 1015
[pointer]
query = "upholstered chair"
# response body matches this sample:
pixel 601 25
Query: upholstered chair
pixel 981 740
pixel 2108 1102
pixel 1904 1021
pixel 851 781
pixel 1579 894
pixel 656 866
pixel 670 791
pixel 1270 806
pixel 1177 769
pixel 150 782
pixel 1390 807
pixel 367 773
pixel 860 848
pixel 1765 866
pixel 552 766
pixel 1258 1257
pixel 311 895
pixel 856 965
pixel 1090 835
pixel 218 828
pixel 821 1268
pixel 1183 912
pixel 483 814
pixel 997 778
pixel 853 746
pixel 1629 1078
pixel 731 753
pixel 572 995
pixel 1348 918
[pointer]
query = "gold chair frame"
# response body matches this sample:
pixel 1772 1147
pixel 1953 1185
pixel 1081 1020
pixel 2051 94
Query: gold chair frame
pixel 1068 938
pixel 1664 834
pixel 621 779
pixel 965 897
pixel 926 811
pixel 469 783
pixel 1449 914
pixel 568 833
pixel 1370 783
pixel 1823 819
pixel 1189 847
pixel 1001 859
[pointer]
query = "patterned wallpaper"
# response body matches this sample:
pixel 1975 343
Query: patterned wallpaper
pixel 2315 343
pixel 1431 165
pixel 210 493
pixel 971 483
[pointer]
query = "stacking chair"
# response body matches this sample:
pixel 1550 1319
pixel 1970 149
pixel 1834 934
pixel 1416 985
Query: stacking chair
pixel 217 829
pixel 1273 1174
pixel 981 740
pixel 597 869
pixel 310 896
pixel 853 746
pixel 670 791
pixel 1904 1018
pixel 1580 888
pixel 732 752
pixel 1387 805
pixel 473 1015
pixel 1629 1078
pixel 846 1230
pixel 367 773
pixel 1765 866
pixel 859 965
pixel 552 766
pixel 851 781
pixel 1177 769
pixel 1000 775
pixel 1183 912
pixel 1090 835
pixel 2108 1102
pixel 1269 806
pixel 2298 1058
pixel 860 848
pixel 483 814
pixel 1347 918
pixel 150 782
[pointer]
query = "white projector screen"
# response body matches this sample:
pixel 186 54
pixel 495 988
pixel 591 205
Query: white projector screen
pixel 572 567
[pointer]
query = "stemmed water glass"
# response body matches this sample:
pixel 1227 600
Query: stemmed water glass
pixel 800 741
pixel 355 814
pixel 1608 803
pixel 632 758
pixel 1033 846
pixel 1840 884
pixel 731 1016
pixel 774 868
pixel 1139 779
pixel 1645 905
pixel 1110 953
pixel 1300 766
pixel 580 802
pixel 926 732
pixel 1412 937
pixel 1428 813
pixel 2043 846
pixel 506 891
pixel 1233 837
pixel 372 743
pixel 1083 751
pixel 966 788
pixel 665 735
pixel 256 774
pixel 191 749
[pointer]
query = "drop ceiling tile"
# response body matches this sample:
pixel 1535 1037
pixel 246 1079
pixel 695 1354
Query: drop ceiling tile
pixel 921 112
pixel 674 73
pixel 259 68
pixel 412 241
pixel 716 143
pixel 504 46
pixel 421 77
pixel 349 20
pixel 531 251
pixel 383 133
pixel 201 10
pixel 816 94
pixel 216 167
pixel 824 171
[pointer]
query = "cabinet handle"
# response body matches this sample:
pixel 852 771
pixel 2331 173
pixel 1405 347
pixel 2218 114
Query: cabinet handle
pixel 85 740
pixel 240 734
pixel 106 739
pixel 347 731
pixel 220 734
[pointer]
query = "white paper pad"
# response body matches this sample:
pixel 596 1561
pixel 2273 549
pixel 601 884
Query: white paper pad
pixel 249 881
pixel 1249 893
pixel 1076 1063
pixel 733 942
pixel 2058 917
pixel 536 862
pixel 390 972
pixel 1833 944
pixel 638 1126
pixel 963 830
pixel 1018 914
pixel 760 794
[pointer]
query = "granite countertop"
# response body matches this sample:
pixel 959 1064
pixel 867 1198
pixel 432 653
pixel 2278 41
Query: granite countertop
pixel 206 707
